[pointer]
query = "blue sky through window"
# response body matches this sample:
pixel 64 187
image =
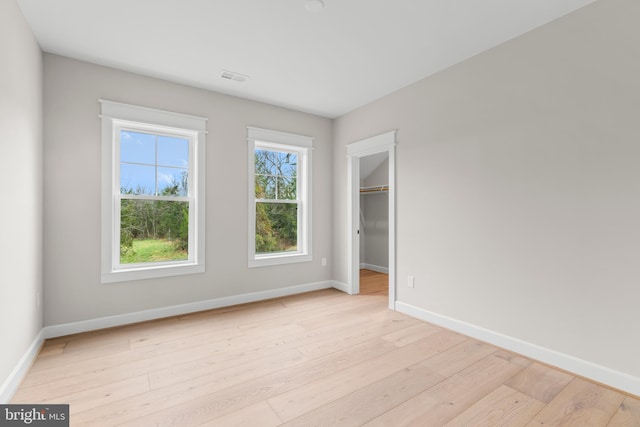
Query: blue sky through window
pixel 278 162
pixel 276 173
pixel 147 159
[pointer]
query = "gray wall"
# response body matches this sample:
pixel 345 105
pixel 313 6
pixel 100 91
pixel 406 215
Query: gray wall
pixel 375 207
pixel 376 229
pixel 379 176
pixel 72 193
pixel 21 177
pixel 518 186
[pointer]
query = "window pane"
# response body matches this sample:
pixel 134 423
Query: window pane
pixel 276 174
pixel 287 188
pixel 137 179
pixel 275 163
pixel 289 164
pixel 264 162
pixel 276 227
pixel 153 231
pixel 265 187
pixel 172 182
pixel 136 147
pixel 173 151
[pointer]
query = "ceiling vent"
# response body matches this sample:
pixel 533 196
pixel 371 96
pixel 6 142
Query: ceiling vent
pixel 314 6
pixel 236 77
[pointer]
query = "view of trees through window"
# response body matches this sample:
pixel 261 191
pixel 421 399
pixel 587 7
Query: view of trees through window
pixel 277 202
pixel 154 208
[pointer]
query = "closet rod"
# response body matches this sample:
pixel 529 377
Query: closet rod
pixel 374 189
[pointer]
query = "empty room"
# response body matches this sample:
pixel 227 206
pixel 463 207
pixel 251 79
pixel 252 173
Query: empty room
pixel 320 212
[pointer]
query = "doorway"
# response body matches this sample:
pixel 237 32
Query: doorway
pixel 362 156
pixel 374 224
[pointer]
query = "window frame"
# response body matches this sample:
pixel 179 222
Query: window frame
pixel 117 117
pixel 302 146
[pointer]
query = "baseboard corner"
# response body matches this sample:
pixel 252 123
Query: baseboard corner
pixel 13 381
pixel 342 287
pixel 375 268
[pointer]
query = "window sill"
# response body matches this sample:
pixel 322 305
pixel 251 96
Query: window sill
pixel 154 272
pixel 263 261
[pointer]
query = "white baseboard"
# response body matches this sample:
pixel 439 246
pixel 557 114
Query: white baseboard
pixel 176 310
pixel 372 267
pixel 343 287
pixel 11 384
pixel 584 368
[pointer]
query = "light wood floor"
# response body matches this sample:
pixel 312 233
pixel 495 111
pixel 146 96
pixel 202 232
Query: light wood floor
pixel 322 358
pixel 374 283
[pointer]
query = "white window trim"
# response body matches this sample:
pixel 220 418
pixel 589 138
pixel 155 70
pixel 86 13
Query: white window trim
pixel 304 146
pixel 116 115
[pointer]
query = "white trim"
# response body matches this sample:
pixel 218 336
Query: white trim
pixel 353 224
pixel 342 287
pixel 375 144
pixel 11 384
pixel 155 270
pixel 372 267
pixel 176 310
pixel 584 368
pixel 303 147
pixel 279 259
pixel 385 142
pixel 277 137
pixel 392 225
pixel 136 113
pixel 114 116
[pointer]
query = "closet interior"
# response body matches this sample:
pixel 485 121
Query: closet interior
pixel 374 223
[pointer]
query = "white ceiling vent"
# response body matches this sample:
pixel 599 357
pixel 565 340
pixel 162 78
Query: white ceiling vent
pixel 236 77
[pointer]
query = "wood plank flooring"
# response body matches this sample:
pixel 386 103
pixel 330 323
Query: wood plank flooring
pixel 316 359
pixel 373 283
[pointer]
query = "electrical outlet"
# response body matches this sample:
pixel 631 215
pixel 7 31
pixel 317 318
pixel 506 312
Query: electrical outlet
pixel 411 282
pixel 324 262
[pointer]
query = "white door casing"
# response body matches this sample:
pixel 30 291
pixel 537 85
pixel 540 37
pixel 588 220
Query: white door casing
pixel 385 142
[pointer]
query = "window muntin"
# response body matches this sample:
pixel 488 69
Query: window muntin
pixel 152 163
pixel 279 199
pixel 152 222
pixel 153 190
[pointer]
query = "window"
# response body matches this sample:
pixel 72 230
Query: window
pixel 279 197
pixel 153 193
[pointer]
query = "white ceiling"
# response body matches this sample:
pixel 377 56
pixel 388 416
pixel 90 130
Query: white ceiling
pixel 326 63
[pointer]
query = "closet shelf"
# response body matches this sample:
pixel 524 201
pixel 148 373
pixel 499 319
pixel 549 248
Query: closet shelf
pixel 374 189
